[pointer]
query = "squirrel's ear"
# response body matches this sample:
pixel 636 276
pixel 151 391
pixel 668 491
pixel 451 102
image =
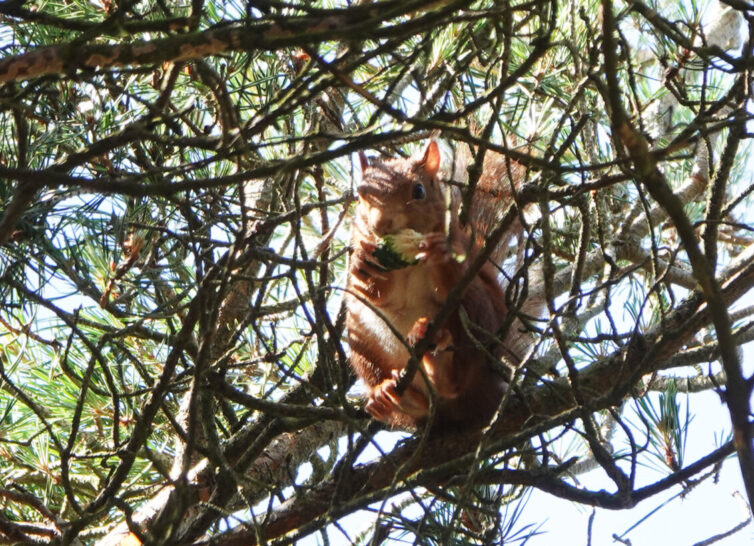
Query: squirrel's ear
pixel 431 161
pixel 363 159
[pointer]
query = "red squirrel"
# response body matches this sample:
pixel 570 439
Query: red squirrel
pixel 407 194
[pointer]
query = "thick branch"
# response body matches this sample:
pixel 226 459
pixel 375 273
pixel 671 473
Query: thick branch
pixel 341 24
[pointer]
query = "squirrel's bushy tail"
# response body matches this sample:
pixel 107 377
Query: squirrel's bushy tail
pixel 492 197
pixel 484 209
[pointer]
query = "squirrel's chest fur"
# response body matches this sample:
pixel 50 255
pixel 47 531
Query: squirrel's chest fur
pixel 410 296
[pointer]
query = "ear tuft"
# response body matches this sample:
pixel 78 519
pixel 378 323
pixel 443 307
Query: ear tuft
pixel 363 159
pixel 431 160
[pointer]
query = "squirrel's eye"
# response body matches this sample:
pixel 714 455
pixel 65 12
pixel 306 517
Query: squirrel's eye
pixel 418 192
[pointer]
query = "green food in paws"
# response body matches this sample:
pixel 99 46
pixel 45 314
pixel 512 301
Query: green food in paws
pixel 399 250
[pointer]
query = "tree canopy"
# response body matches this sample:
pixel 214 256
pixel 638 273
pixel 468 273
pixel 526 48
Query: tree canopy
pixel 177 191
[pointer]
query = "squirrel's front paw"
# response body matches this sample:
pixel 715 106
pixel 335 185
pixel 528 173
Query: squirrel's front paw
pixel 434 249
pixel 364 266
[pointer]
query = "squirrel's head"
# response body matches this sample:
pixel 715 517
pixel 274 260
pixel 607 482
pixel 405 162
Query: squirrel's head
pixel 400 193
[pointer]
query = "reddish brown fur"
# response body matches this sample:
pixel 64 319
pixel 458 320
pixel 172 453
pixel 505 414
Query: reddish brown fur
pixel 460 371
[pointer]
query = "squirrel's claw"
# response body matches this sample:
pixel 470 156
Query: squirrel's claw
pixel 434 249
pixel 442 338
pixel 364 266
